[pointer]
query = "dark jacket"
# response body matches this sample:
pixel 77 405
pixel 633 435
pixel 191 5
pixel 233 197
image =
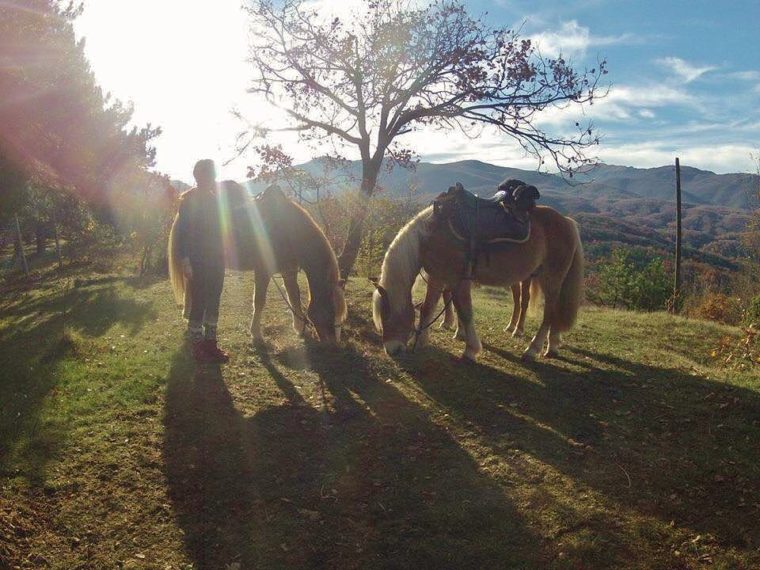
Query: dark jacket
pixel 199 229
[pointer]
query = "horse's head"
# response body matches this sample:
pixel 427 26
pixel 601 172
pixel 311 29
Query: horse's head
pixel 328 318
pixel 393 319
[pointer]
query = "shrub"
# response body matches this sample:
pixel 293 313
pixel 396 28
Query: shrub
pixel 742 353
pixel 633 280
pixel 752 314
pixel 719 307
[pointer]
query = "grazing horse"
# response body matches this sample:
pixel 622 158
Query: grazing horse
pixel 272 234
pixel 552 257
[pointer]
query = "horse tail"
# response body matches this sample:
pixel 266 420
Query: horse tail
pixel 176 275
pixel 571 293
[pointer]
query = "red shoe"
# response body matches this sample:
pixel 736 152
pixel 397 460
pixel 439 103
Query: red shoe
pixel 200 354
pixel 214 353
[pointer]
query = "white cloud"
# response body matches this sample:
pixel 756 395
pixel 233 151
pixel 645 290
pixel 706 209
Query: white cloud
pixel 718 158
pixel 745 75
pixel 574 40
pixel 683 69
pixel 626 101
pixel 623 103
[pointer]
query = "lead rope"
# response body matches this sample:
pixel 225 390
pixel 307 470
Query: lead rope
pixel 418 331
pixel 306 320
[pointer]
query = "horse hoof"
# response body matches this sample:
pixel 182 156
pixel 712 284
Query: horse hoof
pixel 553 353
pixel 470 355
pixel 446 326
pixel 517 333
pixel 528 356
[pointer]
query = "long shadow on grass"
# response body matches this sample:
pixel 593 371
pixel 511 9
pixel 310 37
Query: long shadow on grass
pixel 368 482
pixel 35 345
pixel 661 441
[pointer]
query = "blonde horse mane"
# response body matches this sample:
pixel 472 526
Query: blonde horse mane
pixel 401 263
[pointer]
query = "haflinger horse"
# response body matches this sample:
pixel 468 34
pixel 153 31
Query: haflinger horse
pixel 551 258
pixel 272 234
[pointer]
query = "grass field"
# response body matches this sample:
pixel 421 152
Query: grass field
pixel 632 451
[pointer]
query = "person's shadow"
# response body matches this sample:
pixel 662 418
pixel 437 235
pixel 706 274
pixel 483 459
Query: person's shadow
pixel 367 478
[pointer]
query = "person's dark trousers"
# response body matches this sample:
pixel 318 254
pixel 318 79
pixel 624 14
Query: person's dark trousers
pixel 205 290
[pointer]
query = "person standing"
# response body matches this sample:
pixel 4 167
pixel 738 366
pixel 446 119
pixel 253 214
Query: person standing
pixel 200 248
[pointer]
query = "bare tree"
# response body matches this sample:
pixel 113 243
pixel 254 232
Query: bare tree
pixel 394 67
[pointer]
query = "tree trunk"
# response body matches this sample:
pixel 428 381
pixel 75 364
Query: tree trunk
pixel 347 259
pixel 39 236
pixel 18 247
pixel 57 241
pixel 20 242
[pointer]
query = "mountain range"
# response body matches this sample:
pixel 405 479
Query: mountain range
pixel 699 187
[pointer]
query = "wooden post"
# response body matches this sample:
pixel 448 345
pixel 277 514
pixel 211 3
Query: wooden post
pixel 21 248
pixel 677 284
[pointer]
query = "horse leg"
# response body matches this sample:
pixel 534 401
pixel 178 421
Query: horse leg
pixel 432 296
pixel 459 333
pixel 463 303
pixel 449 318
pixel 519 331
pixel 261 284
pixel 555 343
pixel 512 326
pixel 294 297
pixel 551 299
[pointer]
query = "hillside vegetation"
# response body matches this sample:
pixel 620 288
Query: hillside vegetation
pixel 633 450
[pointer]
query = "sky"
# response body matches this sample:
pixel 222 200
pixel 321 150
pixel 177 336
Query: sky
pixel 684 78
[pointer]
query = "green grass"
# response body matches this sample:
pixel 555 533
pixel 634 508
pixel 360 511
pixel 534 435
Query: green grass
pixel 634 450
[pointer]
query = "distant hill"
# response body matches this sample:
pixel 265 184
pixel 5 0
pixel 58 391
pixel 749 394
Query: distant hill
pixel 699 186
pixel 614 204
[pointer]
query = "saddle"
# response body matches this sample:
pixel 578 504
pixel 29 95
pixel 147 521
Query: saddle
pixel 501 219
pixel 480 225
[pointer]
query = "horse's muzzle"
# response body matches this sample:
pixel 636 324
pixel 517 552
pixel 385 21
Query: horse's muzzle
pixel 394 347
